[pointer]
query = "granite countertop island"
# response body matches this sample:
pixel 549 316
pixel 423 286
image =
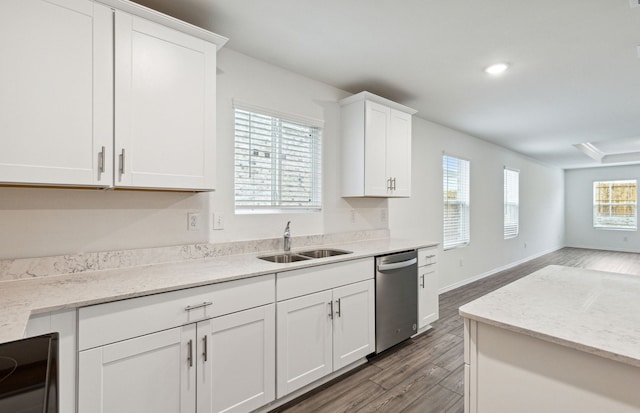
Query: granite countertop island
pixel 22 298
pixel 593 311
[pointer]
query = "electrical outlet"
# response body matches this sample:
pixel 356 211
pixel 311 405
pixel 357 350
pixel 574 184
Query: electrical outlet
pixel 218 221
pixel 383 215
pixel 461 262
pixel 353 216
pixel 193 221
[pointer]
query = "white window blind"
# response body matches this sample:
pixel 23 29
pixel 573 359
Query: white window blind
pixel 615 204
pixel 511 203
pixel 455 174
pixel 277 163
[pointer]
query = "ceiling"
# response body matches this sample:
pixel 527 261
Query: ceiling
pixel 574 72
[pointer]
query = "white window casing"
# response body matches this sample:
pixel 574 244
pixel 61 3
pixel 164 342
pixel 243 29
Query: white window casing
pixel 456 206
pixel 511 203
pixel 615 205
pixel 278 161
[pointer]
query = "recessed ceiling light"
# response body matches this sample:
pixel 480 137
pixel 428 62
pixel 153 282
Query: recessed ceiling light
pixel 497 69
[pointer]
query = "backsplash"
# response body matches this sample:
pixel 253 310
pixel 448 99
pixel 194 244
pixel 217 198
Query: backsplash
pixel 24 268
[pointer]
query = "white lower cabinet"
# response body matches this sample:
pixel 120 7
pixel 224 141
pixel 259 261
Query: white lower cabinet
pixel 304 341
pixel 224 364
pixel 353 323
pixel 322 332
pixel 205 349
pixel 239 364
pixel 428 303
pixel 151 373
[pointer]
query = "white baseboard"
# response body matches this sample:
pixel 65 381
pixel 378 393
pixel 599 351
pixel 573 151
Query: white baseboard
pixel 600 248
pixel 494 271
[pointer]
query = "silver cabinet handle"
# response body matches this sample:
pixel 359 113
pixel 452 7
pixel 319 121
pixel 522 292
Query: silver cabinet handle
pixel 121 156
pixel 389 184
pixel 190 353
pixel 422 281
pixel 192 307
pixel 204 343
pixel 331 309
pixel 101 156
pixel 339 310
pixel 394 184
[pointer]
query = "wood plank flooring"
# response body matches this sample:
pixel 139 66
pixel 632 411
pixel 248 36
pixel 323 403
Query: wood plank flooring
pixel 425 374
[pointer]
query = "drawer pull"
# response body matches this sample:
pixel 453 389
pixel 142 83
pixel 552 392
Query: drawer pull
pixel 192 307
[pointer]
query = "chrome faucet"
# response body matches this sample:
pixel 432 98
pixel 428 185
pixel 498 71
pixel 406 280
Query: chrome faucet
pixel 287 238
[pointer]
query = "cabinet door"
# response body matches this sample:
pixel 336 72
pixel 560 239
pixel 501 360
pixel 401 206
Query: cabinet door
pixel 164 107
pixel 353 323
pixel 304 336
pixel 427 295
pixel 57 88
pixel 151 373
pixel 237 353
pixel 399 153
pixel 375 147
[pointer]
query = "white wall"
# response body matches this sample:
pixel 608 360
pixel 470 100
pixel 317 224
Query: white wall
pixel 541 204
pixel 40 222
pixel 579 210
pixel 252 81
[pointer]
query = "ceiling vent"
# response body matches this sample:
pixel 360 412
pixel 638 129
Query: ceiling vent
pixel 634 3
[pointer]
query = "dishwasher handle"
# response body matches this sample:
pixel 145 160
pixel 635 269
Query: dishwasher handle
pixel 396 265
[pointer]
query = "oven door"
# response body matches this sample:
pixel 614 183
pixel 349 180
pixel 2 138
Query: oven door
pixel 29 375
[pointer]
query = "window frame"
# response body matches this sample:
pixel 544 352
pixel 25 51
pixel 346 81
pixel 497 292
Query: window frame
pixel 510 192
pixel 276 141
pixel 463 230
pixel 595 205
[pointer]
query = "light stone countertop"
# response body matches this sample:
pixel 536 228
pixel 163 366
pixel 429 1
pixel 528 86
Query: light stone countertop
pixel 592 311
pixel 21 298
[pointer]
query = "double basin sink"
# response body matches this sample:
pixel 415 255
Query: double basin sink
pixel 304 255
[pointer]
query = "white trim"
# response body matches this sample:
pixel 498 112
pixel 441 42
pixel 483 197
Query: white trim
pixel 165 20
pixel 587 247
pixel 292 117
pixel 378 99
pixel 494 271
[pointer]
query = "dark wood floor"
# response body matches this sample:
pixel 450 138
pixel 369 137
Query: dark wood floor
pixel 425 374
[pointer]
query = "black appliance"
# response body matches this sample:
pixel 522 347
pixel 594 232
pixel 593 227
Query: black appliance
pixel 29 375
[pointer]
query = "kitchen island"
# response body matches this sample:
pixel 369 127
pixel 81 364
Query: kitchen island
pixel 559 340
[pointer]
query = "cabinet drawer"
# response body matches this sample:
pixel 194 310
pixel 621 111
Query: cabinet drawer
pixel 310 280
pixel 427 256
pixel 119 320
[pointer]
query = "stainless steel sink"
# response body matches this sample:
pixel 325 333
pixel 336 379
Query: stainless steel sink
pixel 284 258
pixel 323 253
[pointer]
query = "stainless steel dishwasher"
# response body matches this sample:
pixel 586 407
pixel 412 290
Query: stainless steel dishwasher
pixel 396 298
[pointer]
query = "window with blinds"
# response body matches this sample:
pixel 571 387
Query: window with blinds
pixel 615 205
pixel 277 163
pixel 455 185
pixel 511 203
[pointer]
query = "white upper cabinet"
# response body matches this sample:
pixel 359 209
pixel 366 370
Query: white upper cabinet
pixel 376 147
pixel 56 95
pixel 165 109
pixel 89 100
